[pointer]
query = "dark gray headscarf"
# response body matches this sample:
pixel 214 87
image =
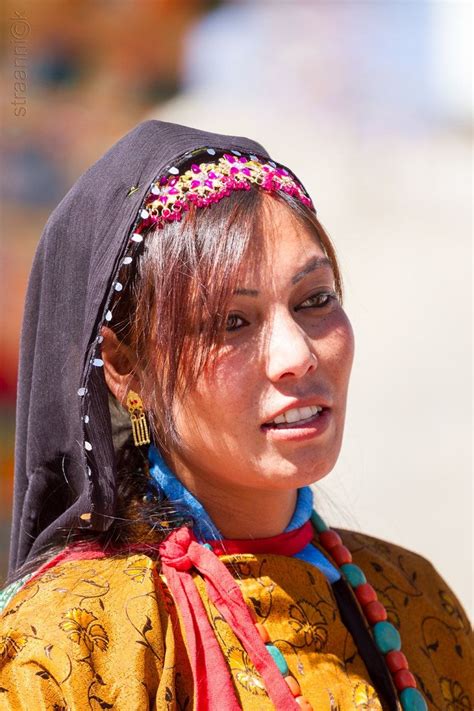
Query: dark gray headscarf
pixel 64 467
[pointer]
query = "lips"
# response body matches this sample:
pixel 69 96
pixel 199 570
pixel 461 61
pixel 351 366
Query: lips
pixel 300 430
pixel 296 413
pixel 295 416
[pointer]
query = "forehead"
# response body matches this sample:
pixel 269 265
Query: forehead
pixel 283 243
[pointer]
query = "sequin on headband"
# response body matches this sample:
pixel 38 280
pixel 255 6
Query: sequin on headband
pixel 206 183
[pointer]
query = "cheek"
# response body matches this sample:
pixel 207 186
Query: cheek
pixel 223 392
pixel 347 344
pixel 340 350
pixel 346 359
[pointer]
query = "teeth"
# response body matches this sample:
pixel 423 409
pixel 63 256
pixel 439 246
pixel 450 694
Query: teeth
pixel 296 414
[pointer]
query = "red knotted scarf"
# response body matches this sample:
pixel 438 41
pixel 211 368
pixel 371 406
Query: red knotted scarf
pixel 180 552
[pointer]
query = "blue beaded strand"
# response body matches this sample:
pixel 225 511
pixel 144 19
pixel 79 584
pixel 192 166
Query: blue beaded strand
pixel 353 574
pixel 412 700
pixel 278 658
pixel 387 638
pixel 318 522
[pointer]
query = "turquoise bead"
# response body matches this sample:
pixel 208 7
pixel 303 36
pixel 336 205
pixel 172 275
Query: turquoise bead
pixel 318 522
pixel 386 637
pixel 412 700
pixel 278 658
pixel 353 574
pixel 207 545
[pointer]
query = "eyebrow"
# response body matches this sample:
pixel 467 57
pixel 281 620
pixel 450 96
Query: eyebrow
pixel 313 264
pixel 246 292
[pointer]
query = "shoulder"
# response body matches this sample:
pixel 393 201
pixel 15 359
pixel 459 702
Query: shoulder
pixel 81 622
pixel 383 557
pixel 363 545
pixel 86 578
pixel 393 567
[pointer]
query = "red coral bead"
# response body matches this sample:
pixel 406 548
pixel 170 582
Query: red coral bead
pixel 365 594
pixel 293 685
pixel 395 661
pixel 263 632
pixel 330 539
pixel 404 679
pixel 341 555
pixel 375 612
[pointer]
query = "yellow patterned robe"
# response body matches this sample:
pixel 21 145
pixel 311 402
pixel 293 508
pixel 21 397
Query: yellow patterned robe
pixel 106 634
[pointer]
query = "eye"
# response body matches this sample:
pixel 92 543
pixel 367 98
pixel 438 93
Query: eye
pixel 318 301
pixel 235 322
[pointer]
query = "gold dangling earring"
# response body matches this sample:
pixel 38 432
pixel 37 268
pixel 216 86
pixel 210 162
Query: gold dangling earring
pixel 138 420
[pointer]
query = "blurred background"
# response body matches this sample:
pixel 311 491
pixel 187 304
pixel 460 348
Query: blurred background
pixel 370 104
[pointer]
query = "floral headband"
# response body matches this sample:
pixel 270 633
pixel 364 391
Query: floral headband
pixel 206 183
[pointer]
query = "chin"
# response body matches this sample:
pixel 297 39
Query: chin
pixel 303 463
pixel 293 474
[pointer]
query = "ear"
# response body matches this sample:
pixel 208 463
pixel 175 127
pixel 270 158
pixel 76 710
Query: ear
pixel 119 361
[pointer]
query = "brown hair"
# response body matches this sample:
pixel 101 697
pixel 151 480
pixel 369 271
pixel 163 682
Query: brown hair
pixel 173 309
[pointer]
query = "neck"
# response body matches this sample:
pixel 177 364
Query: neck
pixel 245 514
pixel 240 512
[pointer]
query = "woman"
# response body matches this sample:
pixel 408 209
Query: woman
pixel 170 557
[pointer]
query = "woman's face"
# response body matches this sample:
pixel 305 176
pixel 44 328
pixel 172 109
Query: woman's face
pixel 270 411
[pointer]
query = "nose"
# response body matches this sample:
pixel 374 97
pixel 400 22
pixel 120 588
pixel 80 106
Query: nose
pixel 289 350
